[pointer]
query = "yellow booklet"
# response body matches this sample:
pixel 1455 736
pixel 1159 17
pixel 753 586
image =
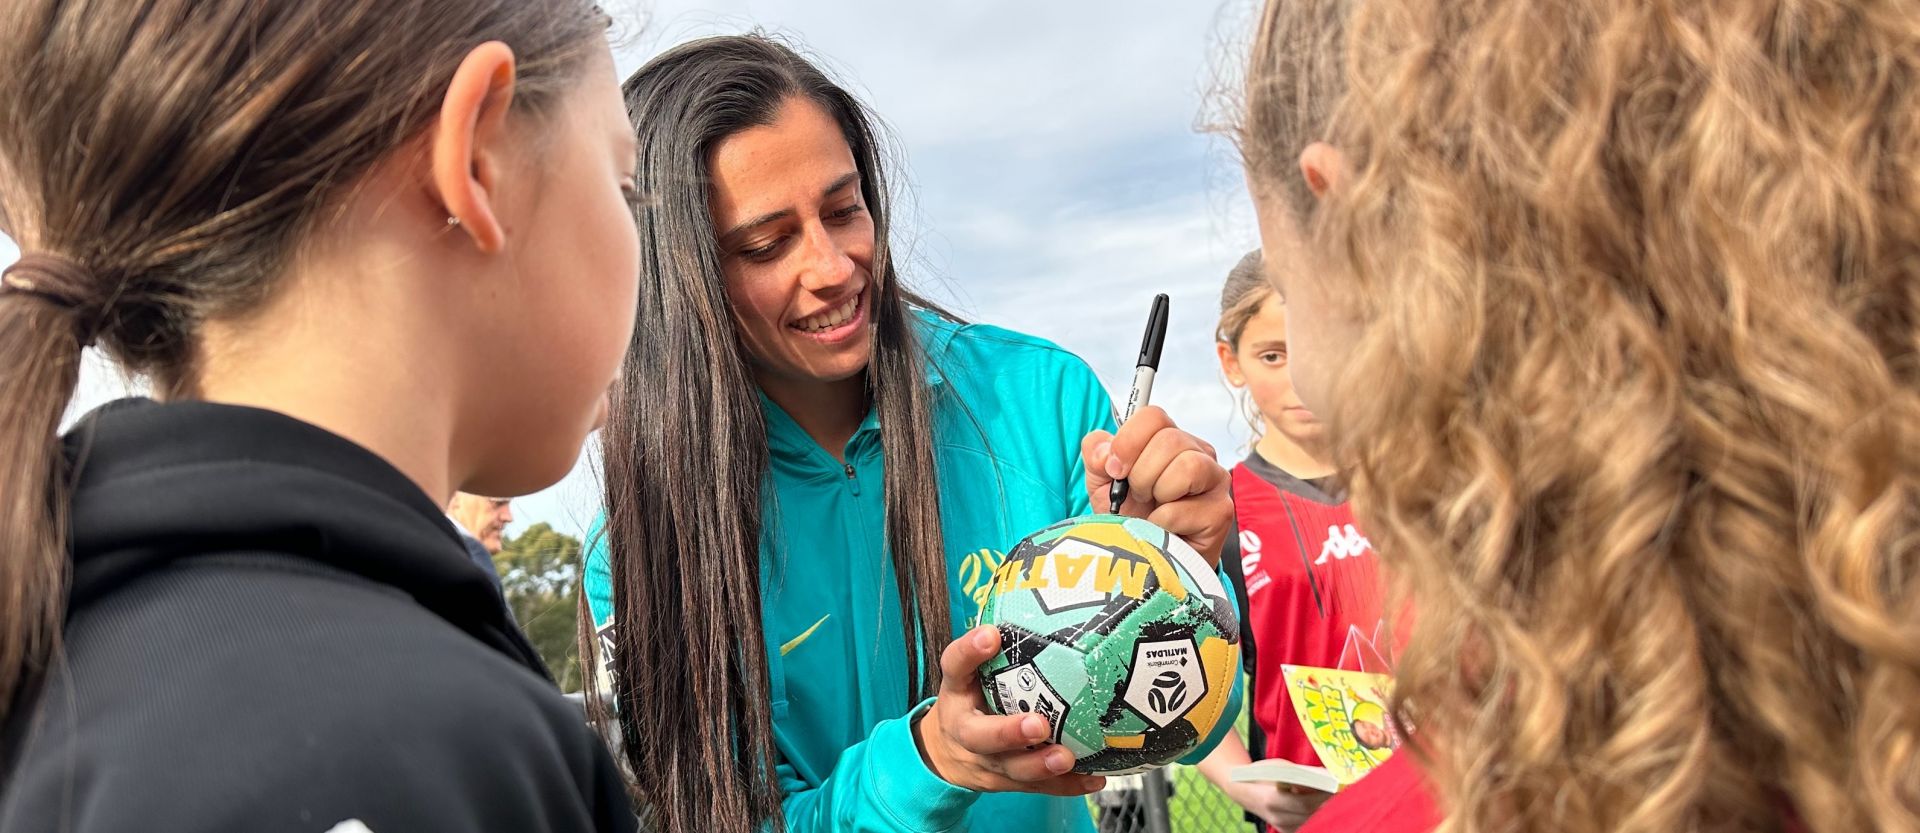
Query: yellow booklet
pixel 1345 716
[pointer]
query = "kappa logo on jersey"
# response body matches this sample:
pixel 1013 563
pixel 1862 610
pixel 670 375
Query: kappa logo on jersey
pixel 1343 543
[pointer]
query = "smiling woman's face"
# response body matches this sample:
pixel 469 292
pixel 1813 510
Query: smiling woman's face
pixel 796 244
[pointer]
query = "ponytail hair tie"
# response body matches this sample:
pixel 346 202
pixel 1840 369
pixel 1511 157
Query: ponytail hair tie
pixel 63 282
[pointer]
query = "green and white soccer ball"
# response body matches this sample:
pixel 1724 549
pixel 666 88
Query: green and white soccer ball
pixel 1119 634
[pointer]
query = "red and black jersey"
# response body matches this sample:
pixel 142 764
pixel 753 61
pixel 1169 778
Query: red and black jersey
pixel 1313 594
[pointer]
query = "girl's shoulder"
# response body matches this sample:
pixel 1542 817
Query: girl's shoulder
pixel 262 684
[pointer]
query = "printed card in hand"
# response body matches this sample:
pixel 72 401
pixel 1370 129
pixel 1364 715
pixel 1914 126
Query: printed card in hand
pixel 1345 717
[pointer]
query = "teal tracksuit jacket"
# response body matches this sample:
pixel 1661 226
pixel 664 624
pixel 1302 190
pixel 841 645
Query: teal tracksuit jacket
pixel 1009 417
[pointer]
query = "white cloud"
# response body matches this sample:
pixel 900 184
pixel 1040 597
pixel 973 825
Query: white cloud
pixel 968 73
pixel 1085 279
pixel 1056 180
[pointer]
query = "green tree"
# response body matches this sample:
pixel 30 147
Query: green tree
pixel 540 572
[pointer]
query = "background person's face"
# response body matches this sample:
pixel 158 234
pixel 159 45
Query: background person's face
pixel 1260 363
pixel 499 514
pixel 796 244
pixel 484 518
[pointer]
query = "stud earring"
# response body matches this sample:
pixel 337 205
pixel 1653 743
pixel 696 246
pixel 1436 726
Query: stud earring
pixel 452 221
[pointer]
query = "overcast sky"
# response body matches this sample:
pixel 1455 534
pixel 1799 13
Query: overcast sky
pixel 1056 179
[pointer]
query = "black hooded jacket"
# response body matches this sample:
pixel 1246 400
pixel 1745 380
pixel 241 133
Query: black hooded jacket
pixel 272 629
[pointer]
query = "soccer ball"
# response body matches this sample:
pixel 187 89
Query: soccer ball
pixel 1119 635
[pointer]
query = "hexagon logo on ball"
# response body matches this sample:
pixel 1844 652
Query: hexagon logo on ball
pixel 1167 681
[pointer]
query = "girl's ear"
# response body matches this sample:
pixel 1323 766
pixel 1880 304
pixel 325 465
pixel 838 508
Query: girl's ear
pixel 1230 364
pixel 1323 166
pixel 469 143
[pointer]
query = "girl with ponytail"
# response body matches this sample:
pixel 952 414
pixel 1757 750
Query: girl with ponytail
pixel 324 231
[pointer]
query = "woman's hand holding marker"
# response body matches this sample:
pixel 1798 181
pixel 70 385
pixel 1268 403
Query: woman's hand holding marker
pixel 1175 479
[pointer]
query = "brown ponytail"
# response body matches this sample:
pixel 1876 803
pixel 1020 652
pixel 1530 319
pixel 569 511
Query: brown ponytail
pixel 161 160
pixel 42 331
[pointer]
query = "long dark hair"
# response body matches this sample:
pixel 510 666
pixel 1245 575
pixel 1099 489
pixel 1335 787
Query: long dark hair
pixel 686 453
pixel 160 160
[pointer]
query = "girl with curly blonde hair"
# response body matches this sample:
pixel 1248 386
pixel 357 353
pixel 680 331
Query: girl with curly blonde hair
pixel 1624 300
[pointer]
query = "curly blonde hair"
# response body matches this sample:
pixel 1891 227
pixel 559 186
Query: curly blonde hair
pixel 1635 420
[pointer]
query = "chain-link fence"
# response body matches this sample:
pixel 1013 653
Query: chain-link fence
pixel 1177 799
pixel 1172 800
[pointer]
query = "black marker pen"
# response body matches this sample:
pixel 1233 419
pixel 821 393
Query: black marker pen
pixel 1143 372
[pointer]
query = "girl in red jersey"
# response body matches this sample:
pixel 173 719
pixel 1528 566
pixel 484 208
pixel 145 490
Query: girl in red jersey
pixel 1306 573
